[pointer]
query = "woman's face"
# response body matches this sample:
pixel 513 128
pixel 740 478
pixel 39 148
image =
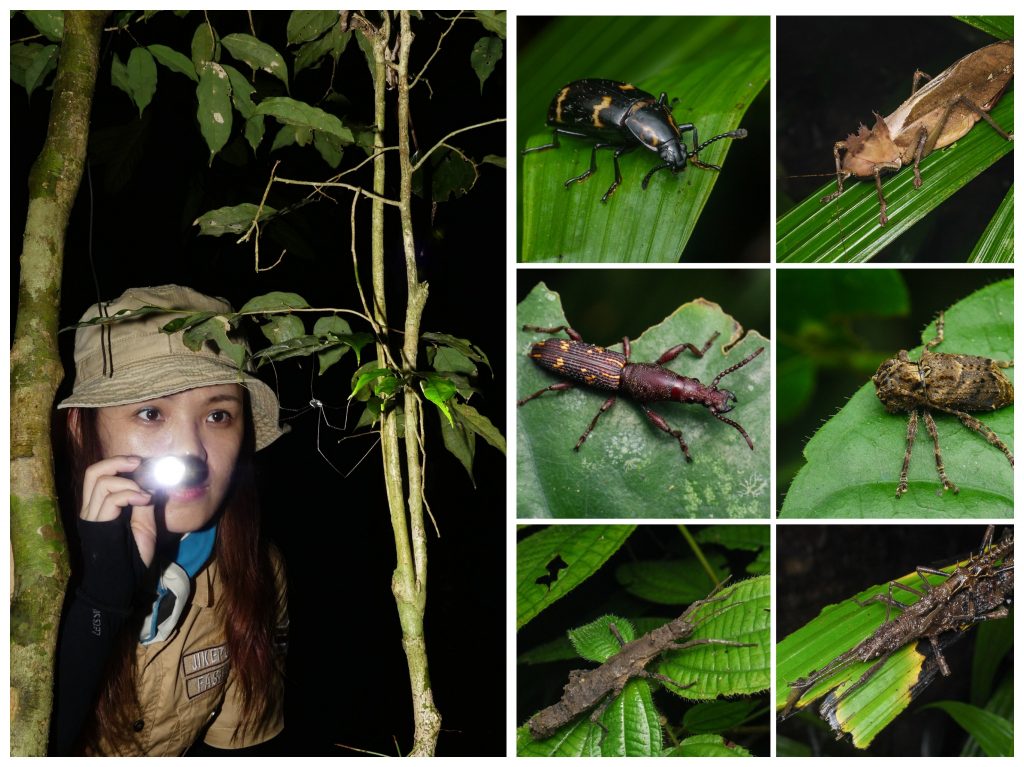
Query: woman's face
pixel 206 422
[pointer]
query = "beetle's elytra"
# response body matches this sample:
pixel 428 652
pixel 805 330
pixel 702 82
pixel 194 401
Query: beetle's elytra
pixel 643 382
pixel 949 383
pixel 622 117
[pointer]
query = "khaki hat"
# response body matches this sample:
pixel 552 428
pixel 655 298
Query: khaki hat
pixel 143 363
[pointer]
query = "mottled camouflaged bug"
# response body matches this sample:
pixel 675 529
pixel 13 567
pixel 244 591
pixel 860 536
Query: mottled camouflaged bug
pixel 950 383
pixel 643 382
pixel 622 117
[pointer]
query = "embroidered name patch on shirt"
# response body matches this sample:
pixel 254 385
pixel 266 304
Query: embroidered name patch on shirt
pixel 205 669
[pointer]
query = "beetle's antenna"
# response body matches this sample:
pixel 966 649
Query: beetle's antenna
pixel 737 366
pixel 734 425
pixel 738 133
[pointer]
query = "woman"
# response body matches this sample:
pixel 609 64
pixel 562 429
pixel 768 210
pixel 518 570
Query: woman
pixel 176 630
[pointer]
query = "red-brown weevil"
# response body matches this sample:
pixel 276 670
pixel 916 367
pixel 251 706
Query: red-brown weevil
pixel 643 382
pixel 935 116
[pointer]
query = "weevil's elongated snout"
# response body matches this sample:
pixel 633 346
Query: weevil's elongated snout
pixel 724 401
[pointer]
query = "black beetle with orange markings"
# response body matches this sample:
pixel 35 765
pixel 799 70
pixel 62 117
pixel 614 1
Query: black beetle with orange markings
pixel 623 117
pixel 643 382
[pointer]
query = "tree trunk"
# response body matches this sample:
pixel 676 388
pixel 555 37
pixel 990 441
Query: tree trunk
pixel 38 549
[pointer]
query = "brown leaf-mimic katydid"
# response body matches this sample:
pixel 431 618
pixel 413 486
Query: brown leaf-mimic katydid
pixel 595 689
pixel 936 115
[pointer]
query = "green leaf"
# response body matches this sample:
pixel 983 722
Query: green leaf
pixel 627 466
pixel 707 745
pixel 444 359
pixel 141 70
pixel 302 115
pixel 464 346
pixel 994 641
pixel 494 159
pixel 715 66
pixel 257 54
pixel 479 424
pixel 736 537
pixel 205 46
pixel 671 581
pixel 31 64
pixel 329 147
pixel 49 23
pixel 304 26
pixel 173 60
pixel 235 219
pixel 459 441
pixel 367 377
pixel 996 243
pixel 847 229
pixel 484 57
pixel 439 390
pixel 583 548
pixel 595 641
pixel 853 461
pixel 719 715
pixel 214 111
pixel 993 733
pixel 1000 27
pixel 493 21
pixel 451 173
pixel 333 44
pixel 283 327
pixel 186 322
pixel 216 330
pixel 241 92
pixel 275 301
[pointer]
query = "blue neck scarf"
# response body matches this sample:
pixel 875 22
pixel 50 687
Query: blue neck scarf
pixel 175 585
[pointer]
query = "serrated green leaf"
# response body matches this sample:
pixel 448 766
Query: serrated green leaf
pixel 718 715
pixel 847 229
pixel 724 60
pixel 584 549
pixel 214 112
pixel 736 537
pixel 853 461
pixel 671 581
pixel 274 301
pixel 304 26
pixel 596 642
pixel 304 116
pixel 173 60
pixel 484 57
pixel 257 54
pixel 707 745
pixel 627 466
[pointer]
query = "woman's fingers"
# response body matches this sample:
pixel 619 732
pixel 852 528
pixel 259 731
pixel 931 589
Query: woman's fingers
pixel 105 493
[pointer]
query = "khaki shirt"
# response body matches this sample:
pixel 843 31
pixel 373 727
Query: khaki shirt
pixel 185 685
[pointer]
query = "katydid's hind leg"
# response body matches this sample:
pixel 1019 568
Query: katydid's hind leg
pixel 918 76
pixel 919 152
pixel 991 437
pixel 929 422
pixel 560 328
pixel 607 404
pixel 840 173
pixel 675 351
pixel 986 117
pixel 901 488
pixel 662 424
pixel 561 386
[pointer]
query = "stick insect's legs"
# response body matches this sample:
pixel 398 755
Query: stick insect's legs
pixel 888 601
pixel 696 642
pixel 667 680
pixel 939 467
pixel 615 633
pixel 939 658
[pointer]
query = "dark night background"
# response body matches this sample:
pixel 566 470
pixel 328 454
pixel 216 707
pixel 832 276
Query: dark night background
pixel 347 676
pixel 832 72
pixel 820 565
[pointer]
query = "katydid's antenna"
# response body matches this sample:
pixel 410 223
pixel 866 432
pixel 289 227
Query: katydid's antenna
pixel 108 353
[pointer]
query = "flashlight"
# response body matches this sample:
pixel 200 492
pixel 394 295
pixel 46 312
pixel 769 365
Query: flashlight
pixel 170 471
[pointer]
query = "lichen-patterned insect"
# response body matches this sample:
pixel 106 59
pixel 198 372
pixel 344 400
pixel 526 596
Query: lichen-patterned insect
pixel 950 383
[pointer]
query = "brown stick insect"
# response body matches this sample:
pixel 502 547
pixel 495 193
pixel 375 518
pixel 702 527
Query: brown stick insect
pixel 950 383
pixel 595 689
pixel 976 590
pixel 935 116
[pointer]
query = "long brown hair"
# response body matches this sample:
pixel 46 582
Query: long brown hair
pixel 247 602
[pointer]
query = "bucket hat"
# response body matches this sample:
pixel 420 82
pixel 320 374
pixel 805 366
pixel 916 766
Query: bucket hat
pixel 140 362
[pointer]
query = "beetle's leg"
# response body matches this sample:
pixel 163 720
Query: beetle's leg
pixel 973 423
pixel 554 140
pixel 918 76
pixel 675 351
pixel 593 166
pixel 940 327
pixel 560 386
pixel 618 175
pixel 568 331
pixel 662 424
pixel 607 404
pixel 901 488
pixel 626 351
pixel 734 425
pixel 930 423
pixel 840 173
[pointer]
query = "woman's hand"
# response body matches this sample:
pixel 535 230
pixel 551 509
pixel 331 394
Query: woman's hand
pixel 105 496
